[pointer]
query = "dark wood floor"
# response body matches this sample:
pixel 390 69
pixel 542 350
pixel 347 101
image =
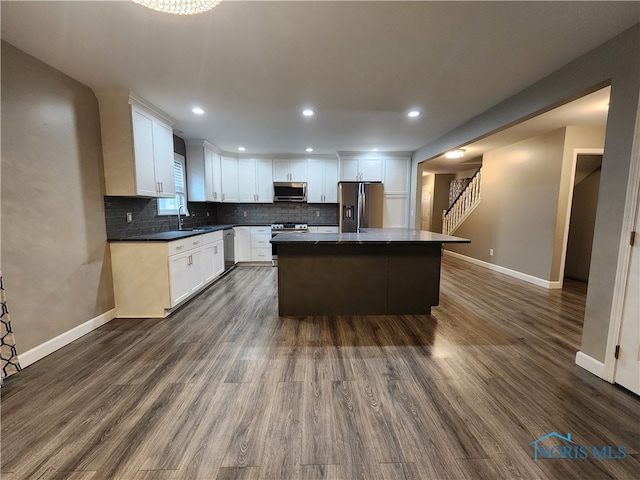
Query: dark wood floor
pixel 225 389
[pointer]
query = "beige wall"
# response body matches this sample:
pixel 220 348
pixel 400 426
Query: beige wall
pixel 54 251
pixel 524 205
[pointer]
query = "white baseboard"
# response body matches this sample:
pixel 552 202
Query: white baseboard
pixel 50 346
pixel 590 364
pixel 507 271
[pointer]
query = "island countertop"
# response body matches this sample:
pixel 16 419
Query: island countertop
pixel 367 236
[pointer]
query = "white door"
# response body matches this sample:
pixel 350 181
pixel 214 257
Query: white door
pixel 216 173
pixel 218 258
pixel 196 279
pixel 349 169
pixel 298 170
pixel 208 262
pixel 371 169
pixel 628 363
pixel 281 171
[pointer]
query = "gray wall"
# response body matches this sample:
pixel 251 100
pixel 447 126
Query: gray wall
pixel 616 62
pixel 55 259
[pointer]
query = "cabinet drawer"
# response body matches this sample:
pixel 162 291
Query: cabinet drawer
pixel 261 254
pixel 211 237
pixel 261 230
pixel 327 229
pixel 261 241
pixel 184 244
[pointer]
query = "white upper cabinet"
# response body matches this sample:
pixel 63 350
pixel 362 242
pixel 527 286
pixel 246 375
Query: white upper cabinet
pixel 290 170
pixel 203 172
pixel 229 169
pixel 322 185
pixel 354 169
pixel 396 174
pixel 255 184
pixel 137 146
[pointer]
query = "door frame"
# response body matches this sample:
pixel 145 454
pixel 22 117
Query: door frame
pixel 632 206
pixel 565 233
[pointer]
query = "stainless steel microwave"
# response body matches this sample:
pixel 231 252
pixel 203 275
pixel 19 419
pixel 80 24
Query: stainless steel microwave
pixel 289 191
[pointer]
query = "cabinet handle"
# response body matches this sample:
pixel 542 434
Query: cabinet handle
pixel 196 242
pixel 223 197
pixel 215 195
pixel 161 187
pixel 215 249
pixel 179 247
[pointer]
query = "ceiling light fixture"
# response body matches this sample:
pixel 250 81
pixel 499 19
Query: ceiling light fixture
pixel 197 111
pixel 308 149
pixel 374 149
pixel 179 7
pixel 241 149
pixel 413 113
pixel 455 153
pixel 307 112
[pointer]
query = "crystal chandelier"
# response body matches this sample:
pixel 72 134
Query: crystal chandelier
pixel 179 7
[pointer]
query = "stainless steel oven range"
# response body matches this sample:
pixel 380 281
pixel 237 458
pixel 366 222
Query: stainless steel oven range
pixel 283 227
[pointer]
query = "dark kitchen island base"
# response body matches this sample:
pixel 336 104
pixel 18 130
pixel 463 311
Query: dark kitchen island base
pixel 358 279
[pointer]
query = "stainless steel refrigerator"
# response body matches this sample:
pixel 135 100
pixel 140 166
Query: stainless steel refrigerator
pixel 361 205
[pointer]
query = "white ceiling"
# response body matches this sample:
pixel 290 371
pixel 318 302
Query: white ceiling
pixel 253 66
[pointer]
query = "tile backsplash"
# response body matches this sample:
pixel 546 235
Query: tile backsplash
pixel 267 213
pixel 144 212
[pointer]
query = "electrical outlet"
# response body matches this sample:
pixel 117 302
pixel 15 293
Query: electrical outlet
pixel 129 217
pixel 491 252
pixel 207 214
pixel 244 213
pixel 317 213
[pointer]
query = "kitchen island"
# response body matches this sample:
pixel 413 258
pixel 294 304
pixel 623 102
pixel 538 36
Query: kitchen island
pixel 375 272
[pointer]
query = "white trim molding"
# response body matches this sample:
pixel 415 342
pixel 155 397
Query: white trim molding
pixel 31 356
pixel 507 271
pixel 590 364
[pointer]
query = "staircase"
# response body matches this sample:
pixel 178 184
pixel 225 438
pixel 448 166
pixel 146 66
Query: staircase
pixel 463 205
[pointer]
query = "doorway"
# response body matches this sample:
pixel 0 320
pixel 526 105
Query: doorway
pixel 582 218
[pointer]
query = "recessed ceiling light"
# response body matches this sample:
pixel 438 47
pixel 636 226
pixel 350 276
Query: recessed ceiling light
pixel 307 112
pixel 374 149
pixel 308 149
pixel 197 111
pixel 413 113
pixel 242 149
pixel 455 153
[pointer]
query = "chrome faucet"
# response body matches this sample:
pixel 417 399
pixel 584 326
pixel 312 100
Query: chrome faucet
pixel 180 220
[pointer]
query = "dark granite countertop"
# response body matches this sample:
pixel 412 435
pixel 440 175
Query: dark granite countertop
pixel 369 236
pixel 172 234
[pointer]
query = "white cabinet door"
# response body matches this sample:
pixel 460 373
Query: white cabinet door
pixel 281 171
pixel 163 156
pixel 179 277
pixel 298 170
pixel 196 279
pixel 322 184
pixel 264 181
pixel 242 244
pixel 216 181
pixel 371 169
pixel 218 258
pixel 229 168
pixel 396 211
pixel 349 169
pixel 143 151
pixel 330 181
pixel 315 185
pixel 396 175
pixel 247 180
pixel 208 262
pixel 290 170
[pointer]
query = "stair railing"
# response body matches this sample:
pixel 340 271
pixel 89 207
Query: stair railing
pixel 466 201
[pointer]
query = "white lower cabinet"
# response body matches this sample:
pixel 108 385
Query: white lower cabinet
pixel 253 244
pixel 151 278
pixel 322 229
